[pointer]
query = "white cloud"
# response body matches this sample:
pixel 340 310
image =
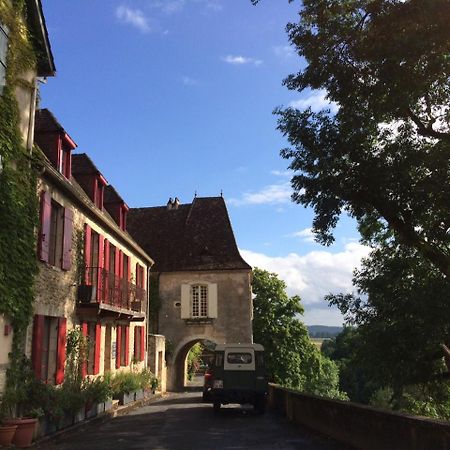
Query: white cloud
pixel 306 235
pixel 316 101
pixel 283 51
pixel 241 60
pixel 134 17
pixel 314 275
pixel 272 194
pixel 176 6
pixel 279 173
pixel 188 81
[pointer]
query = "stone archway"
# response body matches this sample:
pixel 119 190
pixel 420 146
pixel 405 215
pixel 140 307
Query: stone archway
pixel 177 364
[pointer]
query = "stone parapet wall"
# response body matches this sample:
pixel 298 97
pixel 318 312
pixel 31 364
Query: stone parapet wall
pixel 360 426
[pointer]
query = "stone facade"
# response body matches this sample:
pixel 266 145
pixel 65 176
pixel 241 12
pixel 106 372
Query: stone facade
pixel 157 359
pixel 232 324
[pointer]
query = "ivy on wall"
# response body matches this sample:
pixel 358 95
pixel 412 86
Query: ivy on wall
pixel 18 200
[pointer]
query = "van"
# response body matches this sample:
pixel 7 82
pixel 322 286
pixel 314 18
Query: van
pixel 238 375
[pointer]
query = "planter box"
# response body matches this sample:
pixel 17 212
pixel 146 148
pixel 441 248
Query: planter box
pixel 91 411
pixel 125 398
pixel 79 416
pixel 139 395
pixel 108 404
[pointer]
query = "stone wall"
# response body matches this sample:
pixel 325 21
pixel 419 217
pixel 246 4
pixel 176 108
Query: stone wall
pixel 358 425
pixel 157 359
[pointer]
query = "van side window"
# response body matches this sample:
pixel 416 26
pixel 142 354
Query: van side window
pixel 239 358
pixel 219 359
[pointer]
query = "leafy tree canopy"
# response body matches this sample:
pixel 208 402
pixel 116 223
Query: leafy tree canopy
pixel 384 156
pixel 402 316
pixel 292 359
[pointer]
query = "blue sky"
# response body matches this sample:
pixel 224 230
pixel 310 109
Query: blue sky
pixel 173 97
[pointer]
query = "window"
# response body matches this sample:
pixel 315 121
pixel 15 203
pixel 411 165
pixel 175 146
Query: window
pixel 3 53
pixel 55 236
pixel 199 301
pixel 49 348
pixel 65 162
pixel 99 186
pixel 239 358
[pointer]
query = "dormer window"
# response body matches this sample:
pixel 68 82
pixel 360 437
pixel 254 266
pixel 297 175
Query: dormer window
pixel 99 191
pixel 3 52
pixel 65 162
pixel 123 217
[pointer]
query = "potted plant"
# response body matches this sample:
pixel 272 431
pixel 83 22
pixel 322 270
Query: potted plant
pixel 124 386
pixel 6 431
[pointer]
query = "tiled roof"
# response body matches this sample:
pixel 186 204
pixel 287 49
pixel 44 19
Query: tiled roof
pixel 45 121
pixel 112 196
pixel 83 165
pixel 195 236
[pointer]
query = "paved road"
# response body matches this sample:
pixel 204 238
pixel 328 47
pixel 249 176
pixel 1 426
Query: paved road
pixel 183 422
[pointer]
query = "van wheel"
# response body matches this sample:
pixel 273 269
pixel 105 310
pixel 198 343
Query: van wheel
pixel 216 406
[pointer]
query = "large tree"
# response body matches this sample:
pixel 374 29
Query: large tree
pixel 292 360
pixel 384 156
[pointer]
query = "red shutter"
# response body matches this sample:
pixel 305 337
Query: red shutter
pixel 61 350
pixel 67 239
pixel 87 253
pixel 100 277
pixel 136 340
pixel 107 274
pixel 127 345
pixel 85 332
pixel 118 344
pixel 36 352
pixel 98 336
pixel 117 295
pixel 142 343
pixel 44 233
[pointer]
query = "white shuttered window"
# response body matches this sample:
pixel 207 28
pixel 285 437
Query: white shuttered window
pixel 199 301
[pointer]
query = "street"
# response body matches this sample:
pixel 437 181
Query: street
pixel 181 421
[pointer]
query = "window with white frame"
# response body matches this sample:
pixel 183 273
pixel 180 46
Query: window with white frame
pixel 199 301
pixel 3 52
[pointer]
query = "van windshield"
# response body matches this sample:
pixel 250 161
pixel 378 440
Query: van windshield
pixel 239 358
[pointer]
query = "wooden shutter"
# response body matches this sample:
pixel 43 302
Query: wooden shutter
pixel 67 239
pixel 212 301
pixel 117 293
pixel 98 340
pixel 61 349
pixel 45 219
pixel 185 301
pixel 36 352
pixel 87 253
pixel 127 345
pixel 118 345
pixel 143 343
pixel 84 332
pixel 136 340
pixel 107 270
pixel 100 278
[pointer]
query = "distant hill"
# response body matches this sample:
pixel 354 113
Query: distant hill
pixel 323 331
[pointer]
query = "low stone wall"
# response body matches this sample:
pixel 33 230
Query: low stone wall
pixel 360 426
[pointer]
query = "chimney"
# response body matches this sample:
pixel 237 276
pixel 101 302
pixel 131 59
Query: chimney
pixel 170 203
pixel 176 203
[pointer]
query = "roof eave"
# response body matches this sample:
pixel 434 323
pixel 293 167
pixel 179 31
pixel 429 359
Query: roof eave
pixel 46 65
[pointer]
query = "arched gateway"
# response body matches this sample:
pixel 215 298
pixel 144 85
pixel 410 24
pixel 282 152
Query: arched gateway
pixel 204 285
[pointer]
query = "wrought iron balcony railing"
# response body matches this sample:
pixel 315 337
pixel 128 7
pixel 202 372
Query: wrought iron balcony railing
pixel 102 286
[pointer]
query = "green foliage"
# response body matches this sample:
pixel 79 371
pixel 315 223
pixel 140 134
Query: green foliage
pixel 125 382
pixel 18 202
pixel 292 359
pixel 97 390
pixel 384 62
pixel 193 359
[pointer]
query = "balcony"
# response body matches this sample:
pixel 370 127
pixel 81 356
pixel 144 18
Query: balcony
pixel 103 292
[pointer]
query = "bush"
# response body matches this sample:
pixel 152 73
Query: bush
pixel 97 390
pixel 125 382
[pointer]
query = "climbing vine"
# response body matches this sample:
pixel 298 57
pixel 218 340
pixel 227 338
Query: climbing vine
pixel 18 200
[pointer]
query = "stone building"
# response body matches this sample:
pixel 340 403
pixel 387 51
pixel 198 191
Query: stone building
pixel 24 88
pixel 204 285
pixel 92 274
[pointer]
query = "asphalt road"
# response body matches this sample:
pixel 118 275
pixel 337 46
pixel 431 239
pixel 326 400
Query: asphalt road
pixel 183 422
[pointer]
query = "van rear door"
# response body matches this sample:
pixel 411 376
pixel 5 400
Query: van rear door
pixel 239 368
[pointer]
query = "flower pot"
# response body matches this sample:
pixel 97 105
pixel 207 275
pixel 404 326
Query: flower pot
pixel 6 434
pixel 24 433
pixel 125 398
pixel 138 395
pixel 108 404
